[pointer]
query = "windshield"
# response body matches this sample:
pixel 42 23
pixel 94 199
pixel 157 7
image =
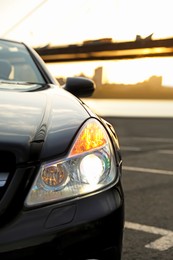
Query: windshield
pixel 17 65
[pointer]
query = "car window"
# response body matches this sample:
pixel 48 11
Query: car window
pixel 17 65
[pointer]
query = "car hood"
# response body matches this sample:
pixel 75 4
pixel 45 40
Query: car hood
pixel 39 125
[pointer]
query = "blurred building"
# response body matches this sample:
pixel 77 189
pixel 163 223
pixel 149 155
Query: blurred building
pixel 98 76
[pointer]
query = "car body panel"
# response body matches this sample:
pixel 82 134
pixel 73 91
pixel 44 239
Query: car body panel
pixel 42 117
pixel 50 219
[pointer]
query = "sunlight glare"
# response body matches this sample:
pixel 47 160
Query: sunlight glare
pixel 58 22
pixel 119 71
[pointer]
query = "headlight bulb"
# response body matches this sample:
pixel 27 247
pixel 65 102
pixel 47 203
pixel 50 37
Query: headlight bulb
pixel 91 169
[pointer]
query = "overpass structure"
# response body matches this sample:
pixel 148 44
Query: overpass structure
pixel 107 50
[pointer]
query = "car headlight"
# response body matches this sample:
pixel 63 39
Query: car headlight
pixel 89 166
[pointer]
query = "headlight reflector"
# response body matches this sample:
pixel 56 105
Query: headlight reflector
pixel 91 137
pixel 53 177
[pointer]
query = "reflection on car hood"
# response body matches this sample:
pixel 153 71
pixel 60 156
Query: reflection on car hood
pixel 49 117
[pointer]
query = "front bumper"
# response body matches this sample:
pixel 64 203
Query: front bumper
pixel 84 227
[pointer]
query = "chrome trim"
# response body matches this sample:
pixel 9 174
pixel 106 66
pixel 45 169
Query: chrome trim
pixel 3 178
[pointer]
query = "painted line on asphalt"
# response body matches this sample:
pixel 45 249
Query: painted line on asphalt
pixel 161 244
pixel 147 170
pixel 149 139
pixel 138 149
pixel 131 148
pixel 165 152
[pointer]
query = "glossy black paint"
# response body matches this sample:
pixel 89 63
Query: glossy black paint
pixel 52 116
pixel 40 125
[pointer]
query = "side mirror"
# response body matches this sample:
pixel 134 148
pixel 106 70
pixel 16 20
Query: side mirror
pixel 80 86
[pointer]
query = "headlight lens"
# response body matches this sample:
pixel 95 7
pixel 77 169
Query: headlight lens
pixel 90 166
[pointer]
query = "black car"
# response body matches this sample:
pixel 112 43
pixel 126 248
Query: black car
pixel 61 192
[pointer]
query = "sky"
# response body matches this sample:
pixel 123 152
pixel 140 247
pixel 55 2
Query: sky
pixel 61 22
pixel 64 22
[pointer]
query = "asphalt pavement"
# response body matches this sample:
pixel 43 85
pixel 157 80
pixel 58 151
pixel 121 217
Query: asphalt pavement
pixel 147 151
